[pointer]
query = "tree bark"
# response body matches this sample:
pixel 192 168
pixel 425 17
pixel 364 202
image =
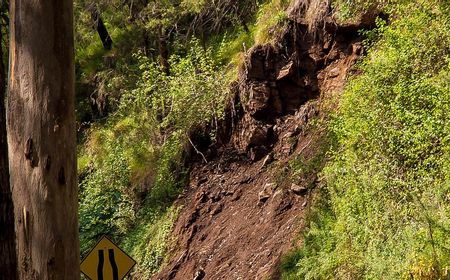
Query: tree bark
pixel 8 259
pixel 101 29
pixel 163 50
pixel 42 139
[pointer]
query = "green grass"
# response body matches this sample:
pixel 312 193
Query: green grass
pixel 149 242
pixel 271 20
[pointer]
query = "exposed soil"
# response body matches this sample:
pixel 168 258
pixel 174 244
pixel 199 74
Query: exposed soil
pixel 240 214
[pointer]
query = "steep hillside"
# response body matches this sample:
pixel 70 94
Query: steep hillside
pixel 243 209
pixel 274 139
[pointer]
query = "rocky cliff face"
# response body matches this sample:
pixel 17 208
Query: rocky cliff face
pixel 240 213
pixel 277 80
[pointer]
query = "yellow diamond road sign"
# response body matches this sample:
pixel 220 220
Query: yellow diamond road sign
pixel 106 261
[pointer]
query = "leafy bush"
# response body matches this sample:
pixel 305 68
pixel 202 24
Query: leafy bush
pixel 140 151
pixel 386 213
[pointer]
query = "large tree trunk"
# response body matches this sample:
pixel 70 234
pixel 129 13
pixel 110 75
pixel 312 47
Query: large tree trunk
pixel 41 138
pixel 8 258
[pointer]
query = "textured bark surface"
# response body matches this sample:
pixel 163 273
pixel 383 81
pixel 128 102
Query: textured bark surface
pixel 163 50
pixel 41 138
pixel 8 259
pixel 101 29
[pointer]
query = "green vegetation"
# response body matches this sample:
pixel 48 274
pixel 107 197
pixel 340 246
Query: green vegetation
pixel 384 212
pixel 270 21
pixel 142 146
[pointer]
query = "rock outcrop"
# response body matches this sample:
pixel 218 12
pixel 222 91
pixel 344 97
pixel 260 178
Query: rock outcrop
pixel 277 80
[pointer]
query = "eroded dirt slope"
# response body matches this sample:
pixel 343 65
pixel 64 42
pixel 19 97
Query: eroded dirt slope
pixel 240 214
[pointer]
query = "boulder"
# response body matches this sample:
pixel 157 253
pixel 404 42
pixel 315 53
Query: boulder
pixel 298 190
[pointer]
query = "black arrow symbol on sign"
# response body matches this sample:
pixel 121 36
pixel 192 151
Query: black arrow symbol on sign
pixel 112 261
pixel 100 265
pixel 113 264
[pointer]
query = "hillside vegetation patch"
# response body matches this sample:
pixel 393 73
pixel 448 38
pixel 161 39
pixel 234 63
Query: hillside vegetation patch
pixel 384 212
